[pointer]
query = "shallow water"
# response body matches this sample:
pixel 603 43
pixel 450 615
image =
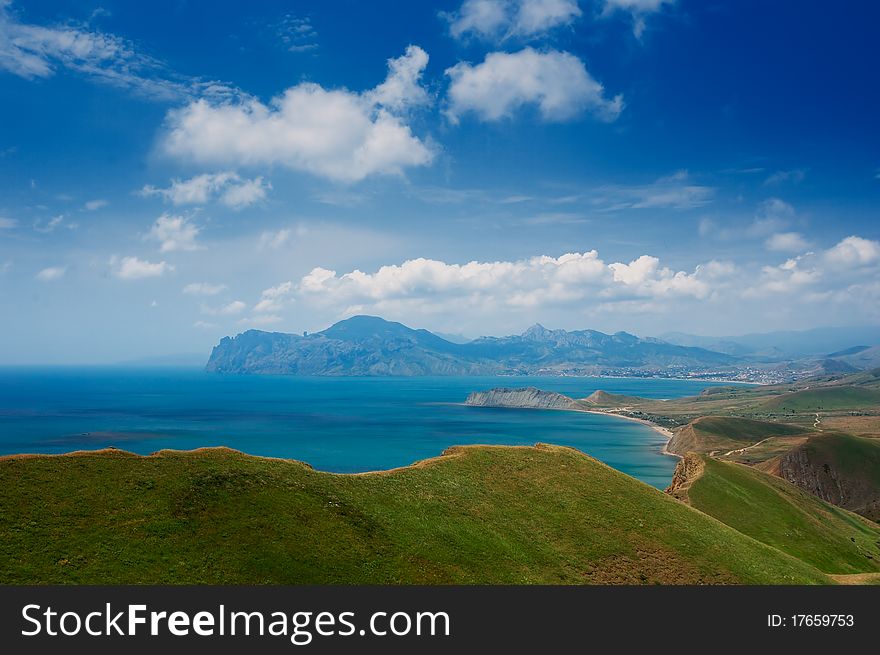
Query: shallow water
pixel 334 424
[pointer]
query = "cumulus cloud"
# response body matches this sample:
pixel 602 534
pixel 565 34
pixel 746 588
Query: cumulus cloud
pixel 8 223
pixel 402 89
pixel 232 190
pixel 852 263
pixel 337 134
pixel 503 19
pixel 854 251
pixel 93 205
pixel 638 9
pixel 174 233
pixel 557 83
pixel 272 298
pixel 541 281
pixel 203 289
pixel 51 273
pixel 132 268
pixel 787 242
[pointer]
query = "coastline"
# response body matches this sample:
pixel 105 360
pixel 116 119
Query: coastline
pixel 666 432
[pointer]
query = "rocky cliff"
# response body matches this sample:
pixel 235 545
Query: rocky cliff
pixel 528 397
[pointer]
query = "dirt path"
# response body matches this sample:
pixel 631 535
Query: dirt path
pixel 856 578
pixel 740 451
pixel 817 422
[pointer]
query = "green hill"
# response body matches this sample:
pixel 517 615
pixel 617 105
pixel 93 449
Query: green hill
pixel 824 399
pixel 478 514
pixel 840 468
pixel 721 434
pixel 779 514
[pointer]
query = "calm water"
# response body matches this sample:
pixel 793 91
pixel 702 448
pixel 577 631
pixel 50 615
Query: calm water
pixel 335 424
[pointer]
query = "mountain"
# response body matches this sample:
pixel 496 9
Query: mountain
pixel 368 345
pixel 791 344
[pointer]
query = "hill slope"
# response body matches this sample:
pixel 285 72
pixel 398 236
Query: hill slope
pixel 777 513
pixel 839 468
pixel 476 515
pixel 721 434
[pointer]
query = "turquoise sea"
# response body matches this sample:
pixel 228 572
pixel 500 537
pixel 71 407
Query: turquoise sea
pixel 334 424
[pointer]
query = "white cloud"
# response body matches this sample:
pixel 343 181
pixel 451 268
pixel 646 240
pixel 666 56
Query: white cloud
pixel 93 205
pixel 51 273
pixel 402 88
pixel 233 190
pixel 297 34
pixel 272 298
pixel 235 307
pixel 132 268
pixel 249 192
pixel 638 9
pixel 502 19
pixel 854 251
pixel 50 225
pixel 205 325
pixel 203 289
pixel 571 279
pixel 787 242
pixel 262 319
pixel 839 271
pixel 7 223
pixel 276 239
pixel 174 233
pixel 556 82
pixel 772 216
pixel 795 176
pixel 336 134
pixel 229 309
pixel 35 51
pixel 676 191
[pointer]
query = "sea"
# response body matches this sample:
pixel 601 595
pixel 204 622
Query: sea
pixel 339 424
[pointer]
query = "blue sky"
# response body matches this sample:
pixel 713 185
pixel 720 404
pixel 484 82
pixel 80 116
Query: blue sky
pixel 172 172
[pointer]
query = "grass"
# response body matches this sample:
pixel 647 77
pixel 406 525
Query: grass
pixel 725 433
pixel 480 514
pixel 824 399
pixel 779 514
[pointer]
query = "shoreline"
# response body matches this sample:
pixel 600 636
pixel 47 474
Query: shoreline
pixel 666 432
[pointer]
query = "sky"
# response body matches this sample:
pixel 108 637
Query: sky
pixel 174 172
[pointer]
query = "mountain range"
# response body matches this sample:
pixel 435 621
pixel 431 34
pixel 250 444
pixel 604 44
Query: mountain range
pixel 368 345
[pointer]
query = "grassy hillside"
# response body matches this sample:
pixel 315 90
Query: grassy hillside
pixel 476 515
pixel 721 434
pixel 824 399
pixel 777 513
pixel 840 468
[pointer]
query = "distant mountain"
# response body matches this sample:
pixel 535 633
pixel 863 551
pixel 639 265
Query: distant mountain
pixel 367 345
pixel 778 346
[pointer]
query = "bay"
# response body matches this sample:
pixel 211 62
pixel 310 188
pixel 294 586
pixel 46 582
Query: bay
pixel 338 424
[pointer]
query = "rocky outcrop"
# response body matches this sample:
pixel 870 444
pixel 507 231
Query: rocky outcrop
pixel 840 469
pixel 688 470
pixel 528 397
